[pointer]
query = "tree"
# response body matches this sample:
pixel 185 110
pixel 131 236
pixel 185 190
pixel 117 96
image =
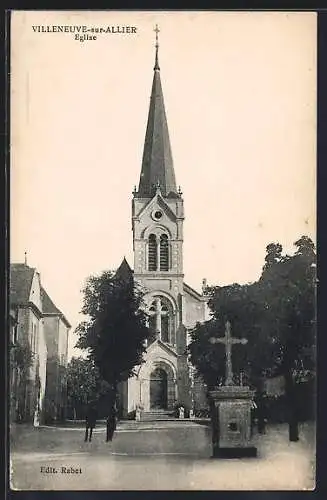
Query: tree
pixel 277 316
pixel 115 332
pixel 239 304
pixel 21 360
pixel 273 255
pixel 84 384
pixel 287 291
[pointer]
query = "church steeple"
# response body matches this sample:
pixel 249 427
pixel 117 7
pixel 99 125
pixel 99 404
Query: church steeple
pixel 157 162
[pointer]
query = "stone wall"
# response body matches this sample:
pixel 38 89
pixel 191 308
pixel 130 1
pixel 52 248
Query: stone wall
pixel 56 333
pixel 30 332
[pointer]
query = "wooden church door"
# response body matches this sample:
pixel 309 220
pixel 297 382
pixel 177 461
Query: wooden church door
pixel 158 390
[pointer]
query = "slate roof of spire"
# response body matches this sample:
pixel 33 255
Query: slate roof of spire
pixel 124 271
pixel 157 163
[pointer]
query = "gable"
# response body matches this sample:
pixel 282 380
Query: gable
pixel 35 293
pixel 157 203
pixel 159 346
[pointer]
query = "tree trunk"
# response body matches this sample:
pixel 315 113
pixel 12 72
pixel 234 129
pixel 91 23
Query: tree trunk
pixel 292 406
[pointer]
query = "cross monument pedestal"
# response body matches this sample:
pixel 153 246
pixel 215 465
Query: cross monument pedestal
pixel 232 410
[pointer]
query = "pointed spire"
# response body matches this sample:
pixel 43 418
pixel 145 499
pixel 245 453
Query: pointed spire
pixel 157 162
pixel 124 272
pixel 156 64
pixel 25 260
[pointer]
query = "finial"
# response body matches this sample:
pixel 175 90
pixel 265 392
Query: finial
pixel 25 259
pixel 134 190
pixel 158 186
pixel 156 64
pixel 204 285
pixel 180 191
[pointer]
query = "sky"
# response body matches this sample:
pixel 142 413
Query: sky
pixel 240 97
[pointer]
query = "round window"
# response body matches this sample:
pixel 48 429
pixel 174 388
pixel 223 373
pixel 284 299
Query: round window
pixel 157 214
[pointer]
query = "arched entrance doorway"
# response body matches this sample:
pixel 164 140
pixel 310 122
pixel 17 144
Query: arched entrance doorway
pixel 158 390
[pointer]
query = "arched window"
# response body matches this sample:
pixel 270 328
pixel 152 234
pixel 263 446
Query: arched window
pixel 164 254
pixel 153 320
pixel 153 258
pixel 161 320
pixel 158 252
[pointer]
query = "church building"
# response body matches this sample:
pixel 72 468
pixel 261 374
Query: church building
pixel 165 380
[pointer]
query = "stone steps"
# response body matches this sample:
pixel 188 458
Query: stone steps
pixel 154 415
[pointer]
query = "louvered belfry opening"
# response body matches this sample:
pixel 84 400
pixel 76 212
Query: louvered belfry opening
pixel 164 254
pixel 152 253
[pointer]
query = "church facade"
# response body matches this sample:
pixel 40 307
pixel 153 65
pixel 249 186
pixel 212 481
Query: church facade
pixel 164 380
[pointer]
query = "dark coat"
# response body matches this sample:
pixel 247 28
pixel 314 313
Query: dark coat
pixel 91 417
pixel 112 420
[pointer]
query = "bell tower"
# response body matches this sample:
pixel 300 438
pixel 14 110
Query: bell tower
pixel 157 206
pixel 157 224
pixel 164 380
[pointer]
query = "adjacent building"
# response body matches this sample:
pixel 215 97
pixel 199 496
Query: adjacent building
pixel 28 348
pixel 31 347
pixel 56 328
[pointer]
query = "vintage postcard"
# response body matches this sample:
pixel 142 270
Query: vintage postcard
pixel 163 250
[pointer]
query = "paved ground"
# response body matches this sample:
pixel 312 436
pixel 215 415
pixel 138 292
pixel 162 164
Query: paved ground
pixel 164 456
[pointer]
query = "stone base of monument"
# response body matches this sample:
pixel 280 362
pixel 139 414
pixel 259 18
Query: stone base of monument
pixel 232 422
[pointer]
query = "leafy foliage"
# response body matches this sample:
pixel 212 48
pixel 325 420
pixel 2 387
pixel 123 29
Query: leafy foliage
pixel 288 293
pixel 276 314
pixel 84 382
pixel 21 356
pixel 115 332
pixel 239 305
pixel 21 359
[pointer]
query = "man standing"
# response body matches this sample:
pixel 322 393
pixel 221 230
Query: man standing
pixel 90 421
pixel 111 423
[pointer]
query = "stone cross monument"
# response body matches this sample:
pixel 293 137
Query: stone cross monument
pixel 228 341
pixel 232 416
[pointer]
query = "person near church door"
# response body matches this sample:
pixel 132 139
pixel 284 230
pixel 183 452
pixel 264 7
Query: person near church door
pixel 90 420
pixel 111 423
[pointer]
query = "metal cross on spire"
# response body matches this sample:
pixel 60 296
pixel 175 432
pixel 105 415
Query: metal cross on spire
pixel 228 341
pixel 156 30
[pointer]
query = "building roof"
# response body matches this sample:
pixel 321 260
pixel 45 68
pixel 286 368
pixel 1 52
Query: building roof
pixel 187 288
pixel 21 277
pixel 124 271
pixel 49 308
pixel 157 163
